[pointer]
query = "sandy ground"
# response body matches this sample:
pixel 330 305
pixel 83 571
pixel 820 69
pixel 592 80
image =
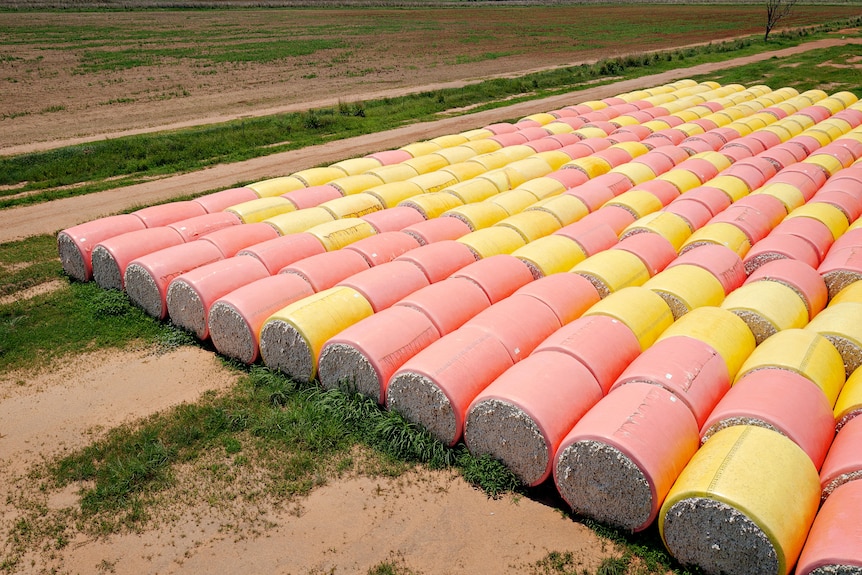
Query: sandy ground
pixel 431 523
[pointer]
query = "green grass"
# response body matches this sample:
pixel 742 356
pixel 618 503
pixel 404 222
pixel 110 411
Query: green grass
pixel 88 168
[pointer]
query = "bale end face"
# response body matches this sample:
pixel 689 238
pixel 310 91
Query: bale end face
pixel 760 327
pixel 838 280
pixel 677 306
pixel 849 350
pixel 837 570
pixel 419 400
pixel 837 482
pixel 718 538
pixel 230 333
pixel 143 290
pixel 106 271
pixel 71 258
pixel 504 431
pixel 342 366
pixel 601 287
pixel 752 264
pixel 599 481
pixel 283 348
pixel 186 308
pixel 731 421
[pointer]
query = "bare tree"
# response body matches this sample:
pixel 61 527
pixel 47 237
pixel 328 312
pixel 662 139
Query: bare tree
pixel 775 11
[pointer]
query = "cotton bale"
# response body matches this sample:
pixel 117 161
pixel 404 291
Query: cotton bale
pixel 75 244
pixel 299 221
pixel 543 188
pixel 565 208
pixel 848 201
pixel 644 312
pixel 463 171
pixel 147 278
pixel 690 369
pixel 235 319
pixel 828 214
pixel 325 270
pixel 849 404
pixel 850 293
pixel 452 140
pixel 426 163
pixel 621 458
pixel 448 304
pixel 779 400
pixel 718 233
pixel 349 185
pixel 495 240
pixel 356 166
pixel 499 276
pixel 482 146
pixel 686 287
pixel 748 489
pixel 592 236
pixel 354 206
pixel 836 535
pixel 433 205
pixel 278 186
pixel 313 196
pixel 111 256
pixel 291 338
pixel 393 219
pixel 800 277
pixel 612 270
pixel 194 228
pixel 670 226
pixel 787 194
pixel 639 202
pixel 383 285
pixel 282 251
pixel 549 255
pixel 365 355
pixel 479 215
pixel 416 149
pixel 767 307
pixel 555 158
pixel 382 248
pixel 842 325
pixel 438 229
pixel 388 157
pixel 782 156
pixel 531 225
pixel 664 191
pixel 191 294
pixel 232 239
pixel 393 173
pixel 813 231
pixel 337 234
pixel 654 251
pixel 755 216
pixel 439 260
pixel 219 201
pixel 514 201
pixel 168 213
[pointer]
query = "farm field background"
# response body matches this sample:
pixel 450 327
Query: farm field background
pixel 215 538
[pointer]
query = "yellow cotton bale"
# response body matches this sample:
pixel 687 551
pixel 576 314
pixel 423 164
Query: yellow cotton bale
pixel 456 155
pixel 350 185
pixel 720 233
pixel 612 270
pixel 318 176
pixel 260 209
pixel 717 159
pixel 668 225
pixel 479 215
pixel 433 181
pixel 476 134
pixel 339 233
pixel 789 195
pixel 846 98
pixel 590 132
pixel 555 158
pixel 300 220
pixel 388 195
pixel 543 187
pixel 551 254
pixel 567 209
pixel 831 216
pixel 687 115
pixel 504 178
pixel 426 163
pixel 637 202
pixel 690 129
pixel 685 287
pixel 541 118
pixel 719 328
pixel 734 187
pixel 784 133
pixel 463 171
pixel 842 325
pixel 356 166
pixel 590 165
pixel 640 309
pixel 502 157
pixel 684 180
pixel 850 293
pixel 450 140
pixel 514 201
pixel 767 307
pixel 849 403
pixel 417 149
pixel 829 163
pixel 532 225
pixel 636 172
pixel 393 173
pixel 804 352
pixel 354 206
pixel 475 190
pixel 555 128
pixel 743 504
pixel 492 241
pixel 483 146
pixel 433 205
pixel 291 338
pixel 277 186
pixel 531 167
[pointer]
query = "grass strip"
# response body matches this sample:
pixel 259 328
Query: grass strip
pixel 88 168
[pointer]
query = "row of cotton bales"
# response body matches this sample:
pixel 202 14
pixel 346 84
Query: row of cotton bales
pixel 606 187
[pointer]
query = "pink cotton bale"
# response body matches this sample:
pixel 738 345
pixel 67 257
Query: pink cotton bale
pixel 325 270
pixel 836 535
pixel 568 295
pixel 520 322
pixel 383 247
pixel 219 201
pixel 816 112
pixel 849 239
pixel 808 178
pixel 672 136
pixel 780 400
pixel 602 344
pixel 751 175
pixel 735 153
pixel 687 367
pixel 639 132
pixel 780 156
pixel 111 256
pixel 510 139
pixel 437 229
pixel 313 196
pixel 385 284
pixel 619 137
pixel 440 259
pixel 592 237
pixel 849 202
pixel 720 261
pixel 147 278
pixel 843 463
pixel 191 294
pixel 662 159
pixel 844 156
pixel 498 276
pixel 750 146
pixel 811 230
pixel 800 277
pixel 840 268
pixel 194 228
pixel 702 168
pixel 236 318
pixel 164 214
pixel 75 244
pixel 569 178
pixel 389 157
pixel 694 212
pixel 655 251
pixel 364 356
pixel 501 128
pixel 615 217
pixel 448 304
pixel 767 139
pixel 709 141
pixel 775 247
pixel 435 387
pixel 663 190
pixel 235 238
pixel 282 251
pixel 521 418
pixel 620 460
pixel 756 215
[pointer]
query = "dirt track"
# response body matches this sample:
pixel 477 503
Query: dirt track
pixel 48 218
